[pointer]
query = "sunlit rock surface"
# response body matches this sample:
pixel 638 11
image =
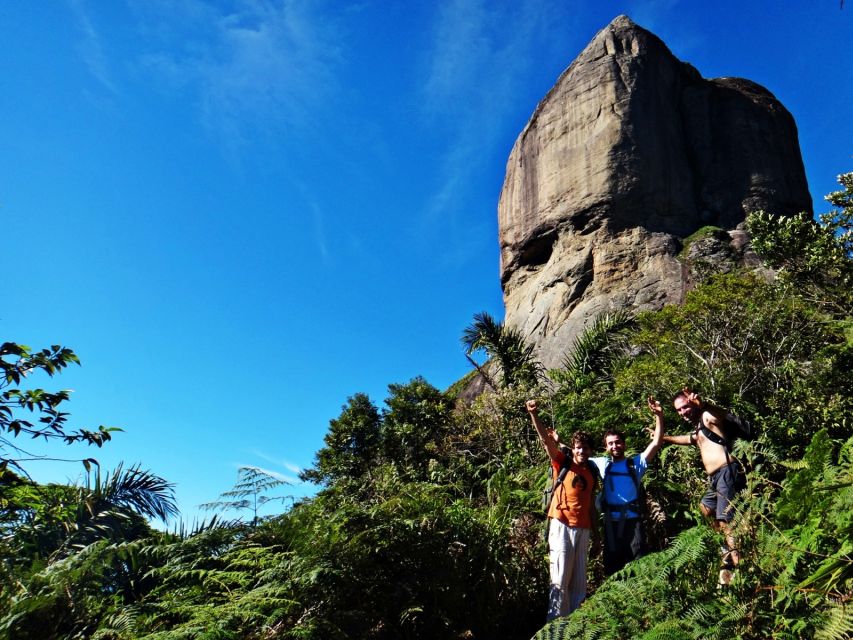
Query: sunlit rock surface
pixel 629 154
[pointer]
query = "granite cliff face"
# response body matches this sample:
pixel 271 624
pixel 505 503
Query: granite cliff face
pixel 629 154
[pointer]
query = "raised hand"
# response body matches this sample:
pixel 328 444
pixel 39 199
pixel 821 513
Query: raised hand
pixel 654 406
pixel 692 397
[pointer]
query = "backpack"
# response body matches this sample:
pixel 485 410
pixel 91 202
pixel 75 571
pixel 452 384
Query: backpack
pixel 636 505
pixel 548 492
pixel 734 427
pixel 738 427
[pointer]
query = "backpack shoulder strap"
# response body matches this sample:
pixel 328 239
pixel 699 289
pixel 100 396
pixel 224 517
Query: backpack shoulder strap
pixel 593 469
pixel 564 469
pixel 561 474
pixel 632 471
pixel 713 437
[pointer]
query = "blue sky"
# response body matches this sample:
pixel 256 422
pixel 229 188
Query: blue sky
pixel 238 214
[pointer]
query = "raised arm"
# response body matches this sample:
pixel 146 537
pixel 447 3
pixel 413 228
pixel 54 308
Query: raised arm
pixel 548 441
pixel 658 433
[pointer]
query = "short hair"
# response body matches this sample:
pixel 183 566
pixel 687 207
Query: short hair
pixel 582 438
pixel 613 432
pixel 680 394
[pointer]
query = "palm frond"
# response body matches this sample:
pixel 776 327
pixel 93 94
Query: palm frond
pixel 599 345
pixel 482 334
pixel 505 346
pixel 139 490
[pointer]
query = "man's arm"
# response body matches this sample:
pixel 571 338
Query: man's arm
pixel 658 434
pixel 545 438
pixel 685 439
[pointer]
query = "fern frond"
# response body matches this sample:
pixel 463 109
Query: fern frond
pixel 837 625
pixel 794 464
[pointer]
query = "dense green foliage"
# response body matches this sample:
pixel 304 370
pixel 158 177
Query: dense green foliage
pixel 426 524
pixel 814 257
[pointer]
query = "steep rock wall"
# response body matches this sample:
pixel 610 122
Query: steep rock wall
pixel 631 152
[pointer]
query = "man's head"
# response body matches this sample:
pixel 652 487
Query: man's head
pixel 614 443
pixel 581 447
pixel 688 407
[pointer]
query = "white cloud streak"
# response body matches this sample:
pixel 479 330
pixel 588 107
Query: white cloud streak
pixel 266 65
pixel 481 52
pixel 90 46
pixel 480 55
pixel 273 473
pixel 293 468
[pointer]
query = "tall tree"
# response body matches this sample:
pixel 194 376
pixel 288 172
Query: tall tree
pixel 417 420
pixel 352 445
pixel 816 257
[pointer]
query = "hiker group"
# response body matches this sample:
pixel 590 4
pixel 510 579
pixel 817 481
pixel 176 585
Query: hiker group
pixel 612 484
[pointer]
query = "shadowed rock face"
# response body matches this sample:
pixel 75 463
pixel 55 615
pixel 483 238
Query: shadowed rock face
pixel 631 152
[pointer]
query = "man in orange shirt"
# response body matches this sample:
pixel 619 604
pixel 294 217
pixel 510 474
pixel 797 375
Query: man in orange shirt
pixel 571 517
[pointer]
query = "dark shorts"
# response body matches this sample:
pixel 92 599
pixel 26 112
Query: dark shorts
pixel 723 485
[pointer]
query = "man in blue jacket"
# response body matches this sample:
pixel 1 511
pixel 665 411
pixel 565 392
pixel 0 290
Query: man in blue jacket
pixel 622 496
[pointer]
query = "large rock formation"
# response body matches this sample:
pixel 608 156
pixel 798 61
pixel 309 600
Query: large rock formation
pixel 629 154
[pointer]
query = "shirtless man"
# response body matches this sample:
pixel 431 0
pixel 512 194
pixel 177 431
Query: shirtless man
pixel 725 473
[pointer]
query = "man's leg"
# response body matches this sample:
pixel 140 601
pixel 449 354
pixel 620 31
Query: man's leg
pixel 729 483
pixel 716 504
pixel 636 543
pixel 710 508
pixel 627 545
pixel 729 555
pixel 612 545
pixel 577 584
pixel 561 568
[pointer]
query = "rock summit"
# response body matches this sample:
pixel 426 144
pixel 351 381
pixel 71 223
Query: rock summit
pixel 624 160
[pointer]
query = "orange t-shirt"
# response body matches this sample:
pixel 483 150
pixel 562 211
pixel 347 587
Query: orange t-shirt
pixel 572 503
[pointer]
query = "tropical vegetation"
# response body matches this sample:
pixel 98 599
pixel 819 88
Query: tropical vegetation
pixel 426 522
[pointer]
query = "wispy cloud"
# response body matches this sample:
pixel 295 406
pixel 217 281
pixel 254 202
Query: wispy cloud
pixel 480 56
pixel 293 468
pixel 317 216
pixel 273 473
pixel 320 232
pixel 461 49
pixel 481 52
pixel 90 45
pixel 267 65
